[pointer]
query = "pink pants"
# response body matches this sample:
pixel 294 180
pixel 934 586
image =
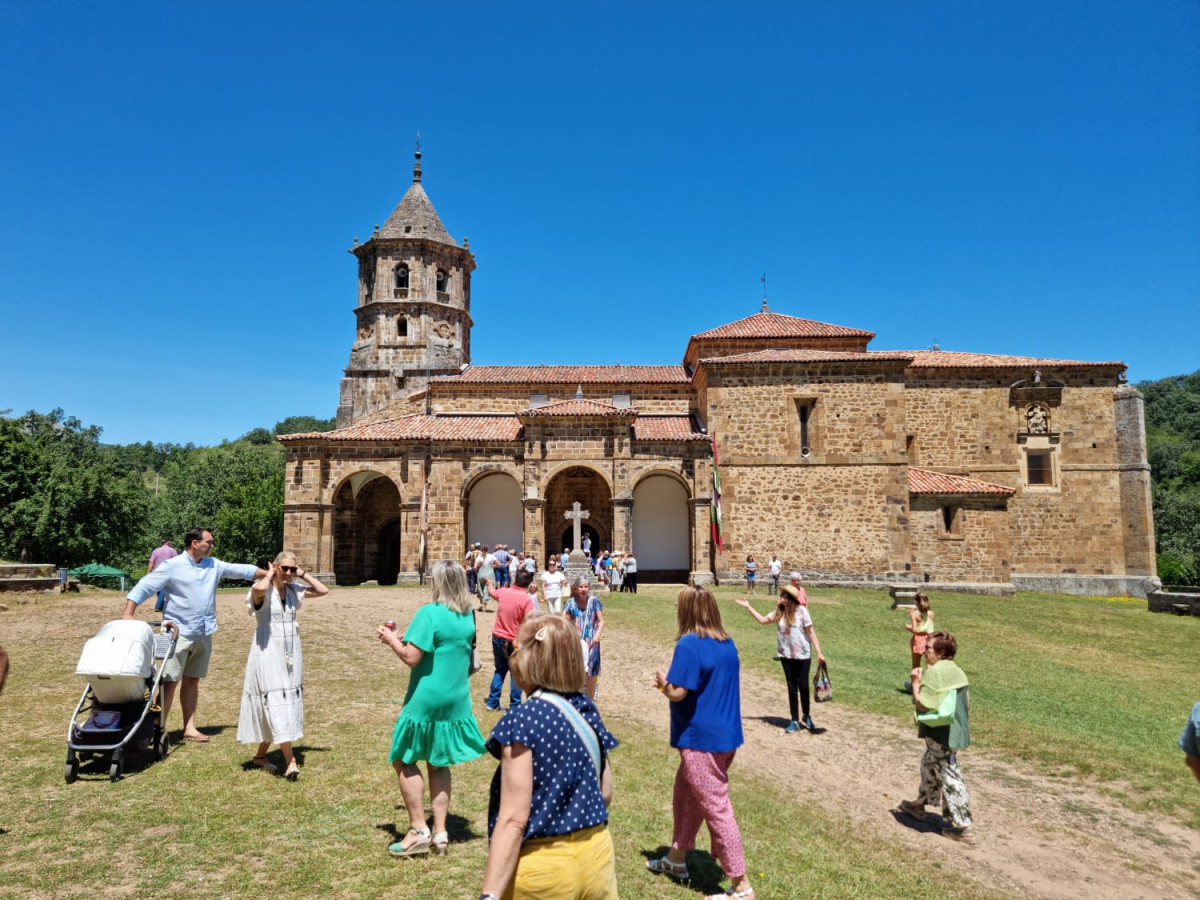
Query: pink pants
pixel 702 795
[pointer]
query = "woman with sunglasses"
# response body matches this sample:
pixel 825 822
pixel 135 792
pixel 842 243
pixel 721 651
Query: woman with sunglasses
pixel 273 692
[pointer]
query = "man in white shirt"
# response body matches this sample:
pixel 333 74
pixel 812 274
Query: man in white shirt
pixel 774 568
pixel 552 587
pixel 190 580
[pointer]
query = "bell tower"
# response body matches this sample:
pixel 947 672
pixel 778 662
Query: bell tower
pixel 414 307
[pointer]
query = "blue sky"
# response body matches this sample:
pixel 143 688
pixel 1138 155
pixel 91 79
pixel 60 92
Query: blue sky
pixel 179 185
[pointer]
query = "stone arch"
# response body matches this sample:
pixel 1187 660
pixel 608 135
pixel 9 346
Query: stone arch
pixel 366 529
pixel 571 464
pixel 575 482
pixel 662 527
pixel 494 513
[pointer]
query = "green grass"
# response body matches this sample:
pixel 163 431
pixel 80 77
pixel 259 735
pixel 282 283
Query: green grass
pixel 202 824
pixel 1078 687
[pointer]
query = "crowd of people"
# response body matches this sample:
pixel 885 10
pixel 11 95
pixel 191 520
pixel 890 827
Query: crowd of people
pixel 549 798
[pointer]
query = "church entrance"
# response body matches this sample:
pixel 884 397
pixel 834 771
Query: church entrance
pixel 366 530
pixel 662 534
pixel 586 487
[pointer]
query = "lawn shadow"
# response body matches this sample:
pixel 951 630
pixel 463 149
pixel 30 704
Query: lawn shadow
pixel 704 872
pixel 276 759
pixel 210 731
pixel 457 827
pixel 774 721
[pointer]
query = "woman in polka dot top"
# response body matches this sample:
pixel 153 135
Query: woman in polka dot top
pixel 548 809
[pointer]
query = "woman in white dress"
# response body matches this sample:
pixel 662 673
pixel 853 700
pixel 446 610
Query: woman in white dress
pixel 273 694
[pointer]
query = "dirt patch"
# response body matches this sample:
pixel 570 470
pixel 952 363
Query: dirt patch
pixel 1038 836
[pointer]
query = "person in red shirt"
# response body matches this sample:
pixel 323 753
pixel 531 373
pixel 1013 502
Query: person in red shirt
pixel 513 606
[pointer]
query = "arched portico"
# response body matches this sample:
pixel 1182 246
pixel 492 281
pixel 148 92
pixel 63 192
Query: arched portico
pixel 494 514
pixel 366 530
pixel 588 487
pixel 662 528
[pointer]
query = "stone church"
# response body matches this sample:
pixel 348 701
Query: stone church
pixel 972 471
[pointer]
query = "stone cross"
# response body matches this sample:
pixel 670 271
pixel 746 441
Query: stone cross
pixel 576 515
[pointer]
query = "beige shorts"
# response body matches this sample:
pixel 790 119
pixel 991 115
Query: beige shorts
pixel 192 653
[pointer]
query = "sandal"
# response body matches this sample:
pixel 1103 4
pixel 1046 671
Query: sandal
pixel 419 847
pixel 261 762
pixel 293 771
pixel 966 835
pixel 441 842
pixel 663 866
pixel 916 810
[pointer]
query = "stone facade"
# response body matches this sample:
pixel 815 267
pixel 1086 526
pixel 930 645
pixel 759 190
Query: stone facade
pixel 856 466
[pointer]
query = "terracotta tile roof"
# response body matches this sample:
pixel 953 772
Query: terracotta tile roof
pixel 420 427
pixel 568 375
pixel 922 481
pixel 952 359
pixel 667 428
pixel 768 324
pixel 578 407
pixel 808 356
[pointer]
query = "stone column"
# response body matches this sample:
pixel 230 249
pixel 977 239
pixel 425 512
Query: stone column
pixel 623 523
pixel 702 572
pixel 410 542
pixel 534 530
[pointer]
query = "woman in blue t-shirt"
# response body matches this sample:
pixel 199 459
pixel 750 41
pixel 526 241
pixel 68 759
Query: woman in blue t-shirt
pixel 548 809
pixel 706 728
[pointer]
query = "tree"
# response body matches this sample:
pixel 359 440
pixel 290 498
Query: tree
pixel 301 424
pixel 64 502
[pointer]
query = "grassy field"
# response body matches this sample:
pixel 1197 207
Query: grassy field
pixel 1078 687
pixel 203 824
pixel 1081 688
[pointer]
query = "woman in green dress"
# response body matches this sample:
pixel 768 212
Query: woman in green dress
pixel 436 725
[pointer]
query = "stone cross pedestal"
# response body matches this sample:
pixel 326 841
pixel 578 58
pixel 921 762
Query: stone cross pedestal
pixel 577 563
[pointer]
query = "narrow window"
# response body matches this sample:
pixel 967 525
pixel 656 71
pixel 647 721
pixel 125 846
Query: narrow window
pixel 400 283
pixel 443 284
pixel 401 326
pixel 804 413
pixel 1039 468
pixel 951 520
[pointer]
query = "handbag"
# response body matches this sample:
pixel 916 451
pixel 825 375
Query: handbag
pixel 476 662
pixel 943 715
pixel 822 689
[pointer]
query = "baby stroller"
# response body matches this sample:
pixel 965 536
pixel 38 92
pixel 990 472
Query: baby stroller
pixel 121 704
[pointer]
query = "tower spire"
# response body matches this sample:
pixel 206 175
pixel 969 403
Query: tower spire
pixel 417 165
pixel 764 283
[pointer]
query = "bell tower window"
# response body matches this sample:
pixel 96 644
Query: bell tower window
pixel 400 282
pixel 443 286
pixel 401 326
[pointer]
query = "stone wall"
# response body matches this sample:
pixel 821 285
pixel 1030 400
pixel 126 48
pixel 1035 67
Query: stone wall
pixel 978 552
pixel 499 399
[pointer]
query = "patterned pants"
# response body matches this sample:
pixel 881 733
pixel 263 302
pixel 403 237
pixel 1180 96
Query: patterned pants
pixel 702 795
pixel 941 781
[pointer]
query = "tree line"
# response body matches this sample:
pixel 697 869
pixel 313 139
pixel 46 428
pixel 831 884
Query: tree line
pixel 68 499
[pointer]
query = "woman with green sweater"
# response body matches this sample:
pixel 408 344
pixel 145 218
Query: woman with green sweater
pixel 940 775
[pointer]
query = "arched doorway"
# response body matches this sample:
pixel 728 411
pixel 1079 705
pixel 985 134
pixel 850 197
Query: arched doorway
pixel 366 530
pixel 662 537
pixel 494 511
pixel 582 485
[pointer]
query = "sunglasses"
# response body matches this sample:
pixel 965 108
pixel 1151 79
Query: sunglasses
pixel 290 570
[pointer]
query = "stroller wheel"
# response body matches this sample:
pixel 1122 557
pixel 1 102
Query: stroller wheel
pixel 72 772
pixel 117 769
pixel 163 747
